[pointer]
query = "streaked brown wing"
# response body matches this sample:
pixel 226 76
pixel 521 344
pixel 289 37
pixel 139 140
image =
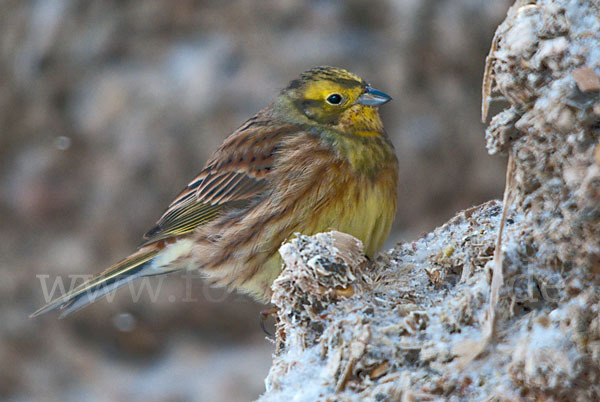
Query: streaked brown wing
pixel 237 173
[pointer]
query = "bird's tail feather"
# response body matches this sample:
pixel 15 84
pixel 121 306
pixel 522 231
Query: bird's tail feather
pixel 136 265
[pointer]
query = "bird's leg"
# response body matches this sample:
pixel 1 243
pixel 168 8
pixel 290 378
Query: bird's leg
pixel 265 313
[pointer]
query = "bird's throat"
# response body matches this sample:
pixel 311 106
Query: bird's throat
pixel 361 120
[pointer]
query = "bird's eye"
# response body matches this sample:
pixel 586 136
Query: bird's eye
pixel 334 99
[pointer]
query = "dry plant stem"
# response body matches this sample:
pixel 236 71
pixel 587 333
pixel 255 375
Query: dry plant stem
pixel 469 350
pixel 498 276
pixel 488 79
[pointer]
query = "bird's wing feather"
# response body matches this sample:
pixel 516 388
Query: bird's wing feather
pixel 237 173
pixel 114 277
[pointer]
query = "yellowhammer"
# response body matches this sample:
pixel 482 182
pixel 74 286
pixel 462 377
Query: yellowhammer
pixel 316 159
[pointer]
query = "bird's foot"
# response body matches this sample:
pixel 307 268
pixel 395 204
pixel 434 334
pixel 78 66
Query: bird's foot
pixel 264 316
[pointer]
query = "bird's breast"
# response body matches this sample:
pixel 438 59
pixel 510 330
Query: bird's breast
pixel 359 205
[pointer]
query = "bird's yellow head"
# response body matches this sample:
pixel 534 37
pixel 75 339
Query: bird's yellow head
pixel 339 99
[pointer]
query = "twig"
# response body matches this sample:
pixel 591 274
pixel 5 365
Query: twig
pixel 498 272
pixel 488 78
pixel 470 350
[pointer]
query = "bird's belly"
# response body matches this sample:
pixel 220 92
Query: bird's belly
pixel 361 207
pixel 366 215
pixel 365 211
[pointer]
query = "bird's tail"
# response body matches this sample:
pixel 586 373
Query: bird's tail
pixel 136 265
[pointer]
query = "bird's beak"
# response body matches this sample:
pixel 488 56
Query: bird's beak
pixel 373 97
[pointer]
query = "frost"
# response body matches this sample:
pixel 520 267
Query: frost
pixel 415 324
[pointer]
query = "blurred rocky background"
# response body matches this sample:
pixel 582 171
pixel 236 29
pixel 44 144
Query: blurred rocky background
pixel 109 108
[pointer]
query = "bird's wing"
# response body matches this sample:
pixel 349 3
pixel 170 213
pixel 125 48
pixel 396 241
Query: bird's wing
pixel 237 173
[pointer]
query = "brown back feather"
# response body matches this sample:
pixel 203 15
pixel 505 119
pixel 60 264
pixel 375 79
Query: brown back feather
pixel 237 174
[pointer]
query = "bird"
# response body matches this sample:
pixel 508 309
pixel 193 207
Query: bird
pixel 316 159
